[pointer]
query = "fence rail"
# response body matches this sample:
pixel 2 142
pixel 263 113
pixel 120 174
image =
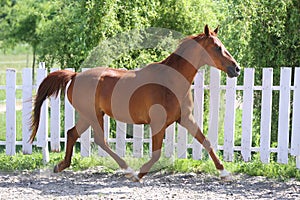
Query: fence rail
pixel 176 142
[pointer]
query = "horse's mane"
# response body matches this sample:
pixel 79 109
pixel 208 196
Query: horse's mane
pixel 181 45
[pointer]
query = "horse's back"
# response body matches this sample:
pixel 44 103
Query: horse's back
pixel 126 95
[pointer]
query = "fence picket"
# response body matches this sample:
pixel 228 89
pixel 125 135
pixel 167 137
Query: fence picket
pixel 26 109
pixel 55 121
pixel 10 112
pixel 284 115
pixel 295 140
pixel 106 127
pixel 182 142
pixel 138 136
pixel 150 141
pixel 85 143
pixel 266 115
pixel 247 117
pixel 198 111
pixel 69 113
pixel 170 141
pixel 229 125
pixel 214 100
pixel 121 138
pixel 42 133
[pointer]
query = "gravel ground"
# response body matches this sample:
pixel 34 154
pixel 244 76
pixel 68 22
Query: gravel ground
pixel 94 184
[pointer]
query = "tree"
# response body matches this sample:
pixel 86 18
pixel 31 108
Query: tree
pixel 263 34
pixel 19 24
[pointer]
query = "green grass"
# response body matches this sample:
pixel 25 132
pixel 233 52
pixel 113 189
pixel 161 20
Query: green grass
pixel 3 126
pixel 254 168
pixel 17 62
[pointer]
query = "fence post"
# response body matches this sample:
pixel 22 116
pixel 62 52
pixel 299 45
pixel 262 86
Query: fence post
pixel 284 115
pixel 170 141
pixel 295 140
pixel 138 136
pixel 121 138
pixel 106 127
pixel 247 117
pixel 42 134
pixel 182 142
pixel 10 112
pixel 26 109
pixel 266 115
pixel 198 110
pixel 69 113
pixel 214 103
pixel 85 143
pixel 55 121
pixel 229 121
pixel 150 141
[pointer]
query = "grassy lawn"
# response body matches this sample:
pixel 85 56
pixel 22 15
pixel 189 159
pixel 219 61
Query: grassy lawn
pixel 253 168
pixel 18 58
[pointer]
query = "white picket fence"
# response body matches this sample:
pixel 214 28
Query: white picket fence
pixel 174 143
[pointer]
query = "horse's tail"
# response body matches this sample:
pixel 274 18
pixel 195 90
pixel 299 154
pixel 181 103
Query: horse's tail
pixel 51 85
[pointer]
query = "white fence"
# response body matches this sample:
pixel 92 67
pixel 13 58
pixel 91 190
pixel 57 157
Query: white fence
pixel 175 143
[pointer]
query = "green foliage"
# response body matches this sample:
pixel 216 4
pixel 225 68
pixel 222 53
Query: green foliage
pixel 65 32
pixel 3 125
pixel 253 168
pixel 258 33
pixel 187 17
pixel 20 162
pixel 271 170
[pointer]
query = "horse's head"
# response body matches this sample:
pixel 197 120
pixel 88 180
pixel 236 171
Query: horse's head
pixel 217 54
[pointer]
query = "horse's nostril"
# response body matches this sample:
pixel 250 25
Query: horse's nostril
pixel 237 69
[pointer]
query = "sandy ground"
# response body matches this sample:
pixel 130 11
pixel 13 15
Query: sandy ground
pixel 94 184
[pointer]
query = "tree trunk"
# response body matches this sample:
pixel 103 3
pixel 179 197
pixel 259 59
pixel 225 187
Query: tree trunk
pixel 33 61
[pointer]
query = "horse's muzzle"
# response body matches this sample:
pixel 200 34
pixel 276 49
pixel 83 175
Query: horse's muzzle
pixel 233 71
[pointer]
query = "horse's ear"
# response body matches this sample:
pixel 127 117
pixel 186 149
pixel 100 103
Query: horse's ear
pixel 216 30
pixel 206 30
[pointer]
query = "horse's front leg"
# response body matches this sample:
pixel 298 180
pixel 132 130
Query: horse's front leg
pixel 190 124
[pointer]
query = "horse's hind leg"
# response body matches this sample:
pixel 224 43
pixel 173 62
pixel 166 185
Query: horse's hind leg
pixel 157 140
pixel 72 136
pixel 100 140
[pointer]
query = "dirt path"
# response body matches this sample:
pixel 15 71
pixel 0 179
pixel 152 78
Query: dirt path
pixel 92 184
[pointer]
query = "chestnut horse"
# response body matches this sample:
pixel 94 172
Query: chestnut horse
pixel 158 94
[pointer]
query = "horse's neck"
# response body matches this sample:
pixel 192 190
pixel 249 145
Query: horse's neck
pixel 187 59
pixel 181 65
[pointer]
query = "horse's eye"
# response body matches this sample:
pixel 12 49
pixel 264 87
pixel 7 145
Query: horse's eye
pixel 219 48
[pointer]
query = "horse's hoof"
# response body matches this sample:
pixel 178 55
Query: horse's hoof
pixel 225 175
pixel 132 175
pixel 136 179
pixel 129 172
pixel 56 169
